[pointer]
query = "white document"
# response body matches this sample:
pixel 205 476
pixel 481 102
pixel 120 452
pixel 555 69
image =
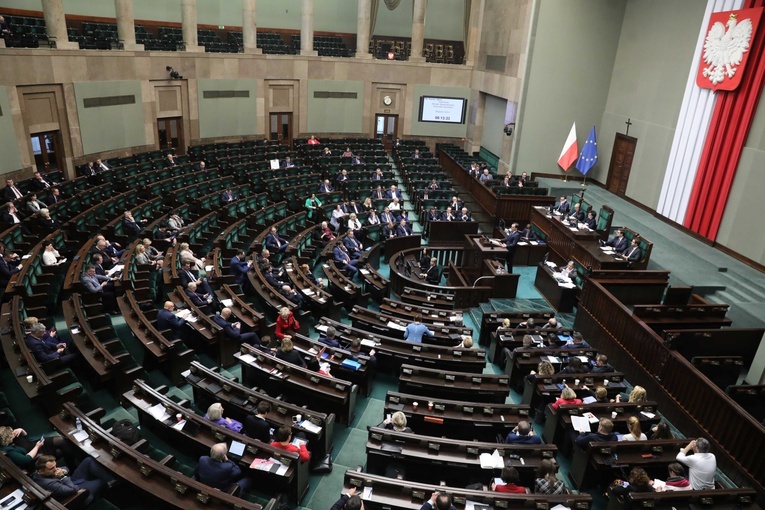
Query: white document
pixel 80 436
pixel 321 327
pixel 583 359
pixel 309 426
pixel 491 461
pixel 394 325
pixel 274 164
pixel 551 359
pixel 209 268
pixel 533 243
pixel 308 292
pixel 159 412
pixel 580 424
pixel 366 493
pixel 474 505
pixel 227 302
pixel 560 506
pixel 647 414
pixel 114 270
pixel 246 358
pixel 589 400
pixel 591 418
pixel 368 343
pixel 236 448
pixel 522 243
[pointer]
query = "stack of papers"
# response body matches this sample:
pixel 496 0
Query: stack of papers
pixel 591 418
pixel 366 493
pixel 308 292
pixel 159 412
pixel 227 302
pixel 246 358
pixel 647 414
pixel 114 270
pixel 491 461
pixel 321 327
pixel 80 436
pixel 309 426
pixel 394 325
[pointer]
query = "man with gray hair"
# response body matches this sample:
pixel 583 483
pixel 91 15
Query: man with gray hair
pixel 48 350
pixel 329 338
pixel 701 465
pixel 217 471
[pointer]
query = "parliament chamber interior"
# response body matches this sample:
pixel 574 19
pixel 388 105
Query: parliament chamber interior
pixel 329 254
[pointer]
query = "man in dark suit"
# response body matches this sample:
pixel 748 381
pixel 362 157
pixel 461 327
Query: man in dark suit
pixel 200 167
pixel 227 197
pixel 464 215
pixel 326 187
pixel 219 472
pixel 393 192
pixel 39 183
pixel 7 269
pixel 107 260
pixel 576 213
pixel 378 193
pixel 88 169
pixel 257 426
pixel 287 163
pixel 438 501
pixel 275 243
pixel 388 230
pixel 11 192
pixel 238 268
pixel 432 276
pixel 10 215
pixel 100 285
pixel 510 242
pixel 387 216
pixel 49 350
pixel 233 330
pixel 562 207
pixel 101 166
pixel 200 300
pixel 96 259
pixel 619 242
pixel 602 365
pixel 432 215
pixel 455 204
pixel 449 215
pixel 354 246
pixel 272 278
pixel 633 253
pixel 188 275
pixel 166 319
pixel 170 161
pixel 416 154
pixel 329 338
pixel 403 229
pixel 131 226
pixel 54 197
pixel 378 175
pixel 603 434
pixel 344 261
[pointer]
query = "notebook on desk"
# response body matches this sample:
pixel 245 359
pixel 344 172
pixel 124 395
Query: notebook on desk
pixel 191 428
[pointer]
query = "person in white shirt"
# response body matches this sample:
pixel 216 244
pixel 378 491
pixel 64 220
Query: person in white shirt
pixel 634 434
pixel 353 223
pixel 701 465
pixel 101 166
pixel 395 205
pixel 50 256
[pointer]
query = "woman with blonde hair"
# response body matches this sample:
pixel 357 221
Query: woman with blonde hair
pixel 286 323
pixel 635 434
pixel 185 253
pixel 153 253
pixel 397 422
pixel 567 397
pixel 367 205
pixel 215 415
pixel 636 396
pixel 287 352
pixel 142 259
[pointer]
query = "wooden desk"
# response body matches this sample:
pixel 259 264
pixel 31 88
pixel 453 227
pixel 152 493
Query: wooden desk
pixel 294 482
pixel 563 299
pixel 719 499
pixel 240 401
pixel 542 388
pixel 431 459
pixel 454 385
pixel 523 361
pixel 450 232
pixel 127 462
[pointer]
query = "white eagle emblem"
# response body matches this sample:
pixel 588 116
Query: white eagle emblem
pixel 723 50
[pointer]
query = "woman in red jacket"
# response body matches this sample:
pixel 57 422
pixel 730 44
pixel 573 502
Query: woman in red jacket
pixel 286 324
pixel 282 440
pixel 511 478
pixel 567 397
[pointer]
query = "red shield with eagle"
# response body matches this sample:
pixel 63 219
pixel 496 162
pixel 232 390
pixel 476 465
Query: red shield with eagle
pixel 726 48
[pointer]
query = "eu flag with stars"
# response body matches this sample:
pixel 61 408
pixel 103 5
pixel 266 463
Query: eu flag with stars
pixel 589 154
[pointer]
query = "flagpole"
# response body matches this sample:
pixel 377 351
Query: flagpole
pixel 584 182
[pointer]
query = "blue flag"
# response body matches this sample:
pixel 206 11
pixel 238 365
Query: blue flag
pixel 589 154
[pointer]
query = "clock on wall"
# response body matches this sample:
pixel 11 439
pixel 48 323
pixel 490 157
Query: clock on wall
pixel 387 100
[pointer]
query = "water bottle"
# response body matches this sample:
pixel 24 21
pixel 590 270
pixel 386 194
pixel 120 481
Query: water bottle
pixel 78 423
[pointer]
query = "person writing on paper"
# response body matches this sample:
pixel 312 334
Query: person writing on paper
pixel 511 481
pixel 591 221
pixel 569 271
pixel 415 331
pixel 635 434
pixel 438 501
pixel 215 415
pixel 523 434
pixel 283 441
pixel 217 471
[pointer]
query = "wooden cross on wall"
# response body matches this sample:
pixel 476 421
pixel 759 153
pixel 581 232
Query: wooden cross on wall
pixel 628 127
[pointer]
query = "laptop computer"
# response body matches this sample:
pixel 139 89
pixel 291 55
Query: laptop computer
pixel 191 428
pixel 236 449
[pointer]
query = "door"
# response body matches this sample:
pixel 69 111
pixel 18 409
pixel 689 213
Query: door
pixel 280 128
pixel 46 148
pixel 170 134
pixel 386 129
pixel 621 163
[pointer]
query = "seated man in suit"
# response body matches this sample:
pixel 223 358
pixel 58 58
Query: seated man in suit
pixel 107 261
pixel 523 434
pixel 131 226
pixel 170 161
pixel 577 342
pixel 200 300
pixel 576 214
pixel 464 215
pixel 329 338
pixel 378 175
pixel 438 501
pixel 218 472
pixel 188 275
pixel 101 166
pixel 167 320
pixel 388 230
pixel 449 215
pixel 272 277
pixel 257 426
pixel 62 485
pixel 50 349
pixel 326 187
pixel 227 197
pixel 403 229
pixel 8 267
pixel 11 192
pixel 618 242
pixel 354 246
pixel 100 285
pixel 88 170
pixel 54 197
pixel 293 295
pixel 633 253
pixel 562 207
pixel 393 192
pixel 287 163
pixel 603 434
pixel 591 220
pixel 344 261
pixel 432 215
pixel 432 276
pixel 602 365
pixel 39 183
pixel 10 215
pixel 233 330
pixel 378 193
pixel 455 204
pixel 357 160
pixel 275 243
pixel 416 154
pixel 386 216
pixel 239 267
pixel 486 176
pixel 200 167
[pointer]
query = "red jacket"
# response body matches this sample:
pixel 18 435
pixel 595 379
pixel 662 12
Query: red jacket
pixel 510 487
pixel 305 455
pixel 564 402
pixel 283 327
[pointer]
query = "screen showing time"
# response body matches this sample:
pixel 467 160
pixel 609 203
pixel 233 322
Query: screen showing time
pixel 449 110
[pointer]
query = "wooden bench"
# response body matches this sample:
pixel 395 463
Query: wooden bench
pixel 454 385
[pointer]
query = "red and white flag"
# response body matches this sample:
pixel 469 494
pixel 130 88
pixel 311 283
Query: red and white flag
pixel 570 151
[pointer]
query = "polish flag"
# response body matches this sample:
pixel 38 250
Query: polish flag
pixel 570 151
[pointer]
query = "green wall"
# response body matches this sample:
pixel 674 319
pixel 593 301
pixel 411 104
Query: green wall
pixel 11 160
pixel 335 115
pixel 493 123
pixel 227 116
pixel 443 20
pixel 110 127
pixel 649 89
pixel 571 62
pixel 432 128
